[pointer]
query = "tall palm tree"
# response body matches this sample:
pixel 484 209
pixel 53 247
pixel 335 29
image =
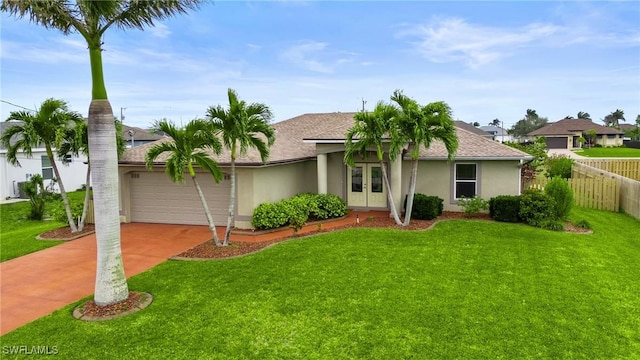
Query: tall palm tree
pixel 614 118
pixel 44 127
pixel 584 115
pixel 372 130
pixel 495 122
pixel 420 126
pixel 242 127
pixel 91 19
pixel 193 144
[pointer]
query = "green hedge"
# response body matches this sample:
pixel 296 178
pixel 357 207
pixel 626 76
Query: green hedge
pixel 537 208
pixel 426 207
pixel 295 211
pixel 505 208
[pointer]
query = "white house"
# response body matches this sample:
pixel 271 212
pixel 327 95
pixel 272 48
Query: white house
pixel 73 173
pixel 498 134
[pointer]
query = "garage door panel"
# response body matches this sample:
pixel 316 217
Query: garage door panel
pixel 556 142
pixel 156 199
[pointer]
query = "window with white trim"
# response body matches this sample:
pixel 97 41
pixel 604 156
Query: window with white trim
pixel 47 169
pixel 466 180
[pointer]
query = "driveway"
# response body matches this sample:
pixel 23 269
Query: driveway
pixel 565 152
pixel 37 284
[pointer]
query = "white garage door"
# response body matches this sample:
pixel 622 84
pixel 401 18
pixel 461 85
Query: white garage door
pixel 156 199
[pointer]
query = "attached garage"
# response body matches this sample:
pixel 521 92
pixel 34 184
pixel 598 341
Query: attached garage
pixel 556 142
pixel 156 199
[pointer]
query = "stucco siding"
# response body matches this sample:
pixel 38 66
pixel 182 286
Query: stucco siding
pixel 499 178
pixel 274 183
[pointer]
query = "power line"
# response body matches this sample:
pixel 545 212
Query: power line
pixel 12 104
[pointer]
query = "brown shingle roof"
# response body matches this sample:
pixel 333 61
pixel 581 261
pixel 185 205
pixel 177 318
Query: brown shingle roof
pixel 327 127
pixel 570 126
pixel 473 129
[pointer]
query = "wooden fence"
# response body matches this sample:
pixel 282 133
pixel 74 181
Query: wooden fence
pixel 594 193
pixel 629 168
pixel 91 218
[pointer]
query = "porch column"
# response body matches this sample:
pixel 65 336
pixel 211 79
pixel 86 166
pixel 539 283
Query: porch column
pixel 395 181
pixel 322 173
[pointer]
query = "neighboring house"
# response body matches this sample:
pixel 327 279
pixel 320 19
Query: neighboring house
pixel 73 172
pixel 473 129
pixel 564 134
pixel 135 136
pixel 497 133
pixel 308 157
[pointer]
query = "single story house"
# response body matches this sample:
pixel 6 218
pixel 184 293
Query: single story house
pixel 308 157
pixel 497 133
pixel 564 134
pixel 476 130
pixel 135 136
pixel 73 171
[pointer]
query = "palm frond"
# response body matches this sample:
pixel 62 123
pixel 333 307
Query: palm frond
pixel 204 161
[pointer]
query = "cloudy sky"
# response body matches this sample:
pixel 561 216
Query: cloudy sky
pixel 486 59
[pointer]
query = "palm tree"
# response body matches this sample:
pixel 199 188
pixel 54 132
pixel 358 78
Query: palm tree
pixel 91 19
pixel 614 118
pixel 242 126
pixel 372 130
pixel 191 145
pixel 584 115
pixel 44 127
pixel 495 122
pixel 420 126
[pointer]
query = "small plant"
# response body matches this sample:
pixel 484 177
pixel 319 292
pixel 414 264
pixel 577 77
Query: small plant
pixel 472 206
pixel 36 192
pixel 553 225
pixel 370 218
pixel 561 192
pixel 584 224
pixel 536 207
pixel 558 165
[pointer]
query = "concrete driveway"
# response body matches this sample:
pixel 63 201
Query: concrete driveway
pixel 37 284
pixel 565 152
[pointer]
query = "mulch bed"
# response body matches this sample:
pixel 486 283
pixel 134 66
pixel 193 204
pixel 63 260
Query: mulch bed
pixel 66 234
pixel 89 311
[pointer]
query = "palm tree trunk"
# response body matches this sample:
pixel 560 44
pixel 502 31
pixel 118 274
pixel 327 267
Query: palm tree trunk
pixel 85 206
pixel 212 226
pixel 392 205
pixel 232 202
pixel 111 282
pixel 63 193
pixel 412 190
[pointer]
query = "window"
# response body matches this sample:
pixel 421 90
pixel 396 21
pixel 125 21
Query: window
pixel 376 179
pixel 356 179
pixel 47 170
pixel 466 180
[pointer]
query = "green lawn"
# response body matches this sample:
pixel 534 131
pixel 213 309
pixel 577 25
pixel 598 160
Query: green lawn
pixel 18 234
pixel 610 152
pixel 465 289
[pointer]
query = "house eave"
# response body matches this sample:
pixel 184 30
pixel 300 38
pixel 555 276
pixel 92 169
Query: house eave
pixel 473 158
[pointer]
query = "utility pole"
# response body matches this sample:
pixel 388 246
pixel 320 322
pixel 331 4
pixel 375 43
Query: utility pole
pixel 122 109
pixel 363 102
pixel 502 131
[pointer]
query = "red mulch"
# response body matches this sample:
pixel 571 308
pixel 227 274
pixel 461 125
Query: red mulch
pixel 66 234
pixel 91 309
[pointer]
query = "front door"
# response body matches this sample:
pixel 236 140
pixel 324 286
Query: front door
pixel 366 186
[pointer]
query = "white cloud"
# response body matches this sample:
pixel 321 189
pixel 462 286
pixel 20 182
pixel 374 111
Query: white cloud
pixel 455 40
pixel 305 54
pixel 160 31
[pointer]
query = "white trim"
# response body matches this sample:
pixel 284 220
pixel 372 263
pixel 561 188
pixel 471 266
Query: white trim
pixel 475 181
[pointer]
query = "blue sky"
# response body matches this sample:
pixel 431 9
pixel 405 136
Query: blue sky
pixel 487 60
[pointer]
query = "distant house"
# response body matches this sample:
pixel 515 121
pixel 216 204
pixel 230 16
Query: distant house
pixel 473 129
pixel 73 171
pixel 135 136
pixel 498 134
pixel 308 156
pixel 564 134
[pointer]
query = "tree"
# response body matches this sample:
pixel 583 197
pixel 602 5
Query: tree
pixel 242 127
pixel 614 118
pixel 584 115
pixel 476 124
pixel 191 145
pixel 44 127
pixel 91 19
pixel 529 123
pixel 634 133
pixel 372 130
pixel 591 136
pixel 495 122
pixel 420 126
pixel 76 142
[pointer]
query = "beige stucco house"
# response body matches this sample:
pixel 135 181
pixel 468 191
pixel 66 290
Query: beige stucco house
pixel 308 157
pixel 565 134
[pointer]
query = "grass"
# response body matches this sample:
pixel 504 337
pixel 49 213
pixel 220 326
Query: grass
pixel 465 289
pixel 610 152
pixel 18 234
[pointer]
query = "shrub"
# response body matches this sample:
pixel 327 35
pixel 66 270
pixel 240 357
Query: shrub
pixel 473 205
pixel 536 207
pixel 553 225
pixel 331 206
pixel 34 189
pixel 559 165
pixel 426 207
pixel 269 216
pixel 297 210
pixel 58 213
pixel 505 208
pixel 584 224
pixel 561 192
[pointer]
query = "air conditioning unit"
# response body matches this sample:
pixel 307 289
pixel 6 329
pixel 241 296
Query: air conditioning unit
pixel 21 193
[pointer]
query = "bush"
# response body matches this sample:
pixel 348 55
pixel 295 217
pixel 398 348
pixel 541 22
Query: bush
pixel 296 210
pixel 584 224
pixel 58 212
pixel 426 207
pixel 536 207
pixel 34 189
pixel 505 208
pixel 561 192
pixel 553 225
pixel 331 206
pixel 269 216
pixel 559 165
pixel 473 205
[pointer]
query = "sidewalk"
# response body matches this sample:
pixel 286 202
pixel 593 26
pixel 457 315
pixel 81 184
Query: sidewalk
pixel 37 284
